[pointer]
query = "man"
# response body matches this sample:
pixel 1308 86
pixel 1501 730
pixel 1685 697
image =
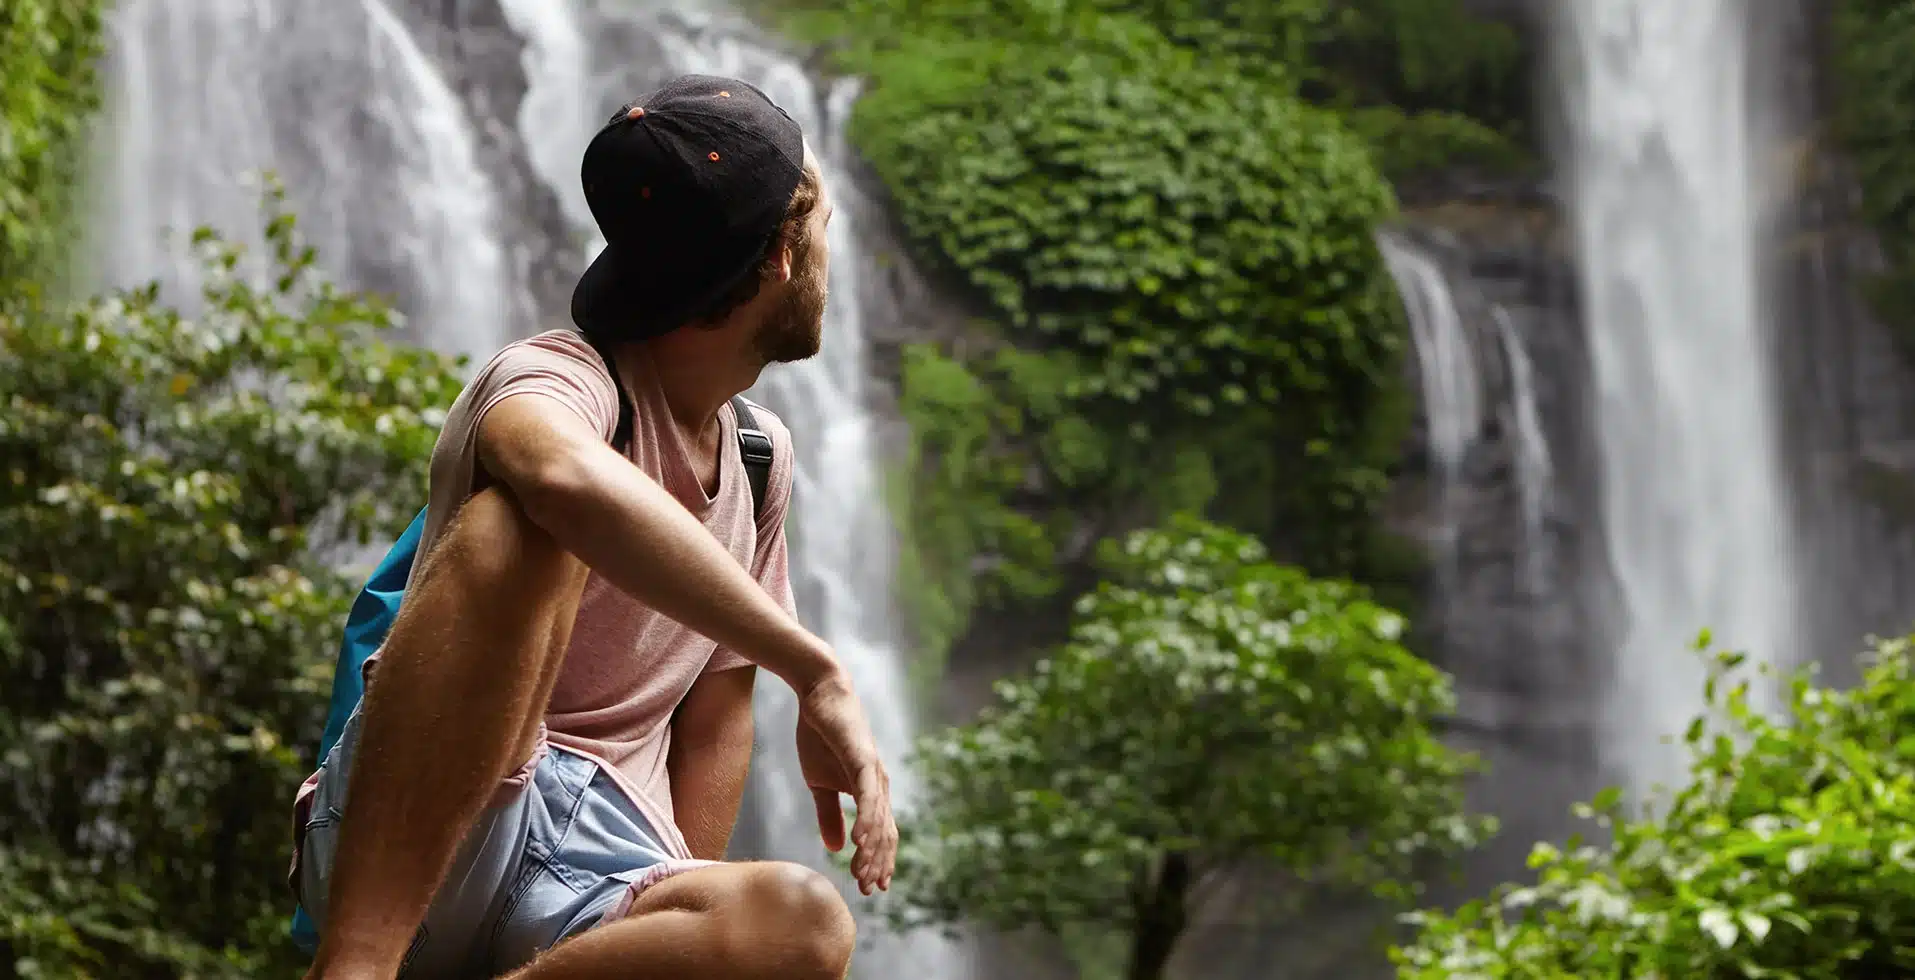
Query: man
pixel 551 752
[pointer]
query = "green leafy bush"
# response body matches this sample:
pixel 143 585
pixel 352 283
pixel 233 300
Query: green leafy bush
pixel 1424 56
pixel 1440 86
pixel 175 494
pixel 1791 853
pixel 1406 145
pixel 1008 480
pixel 1184 254
pixel 47 94
pixel 1202 241
pixel 1210 708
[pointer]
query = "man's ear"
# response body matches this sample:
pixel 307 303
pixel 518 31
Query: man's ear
pixel 786 261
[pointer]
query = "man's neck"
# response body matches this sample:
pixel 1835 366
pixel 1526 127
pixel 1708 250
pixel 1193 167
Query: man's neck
pixel 697 373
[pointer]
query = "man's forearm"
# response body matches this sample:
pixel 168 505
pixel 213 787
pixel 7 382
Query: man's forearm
pixel 708 784
pixel 632 532
pixel 710 759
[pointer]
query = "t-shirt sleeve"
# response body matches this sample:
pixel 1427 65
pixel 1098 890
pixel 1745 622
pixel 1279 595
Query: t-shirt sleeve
pixel 771 558
pixel 557 365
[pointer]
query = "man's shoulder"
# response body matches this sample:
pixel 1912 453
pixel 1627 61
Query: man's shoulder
pixel 567 343
pixel 768 422
pixel 553 352
pixel 782 462
pixel 558 364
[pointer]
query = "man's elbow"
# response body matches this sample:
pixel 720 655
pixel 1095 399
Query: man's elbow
pixel 554 487
pixel 544 457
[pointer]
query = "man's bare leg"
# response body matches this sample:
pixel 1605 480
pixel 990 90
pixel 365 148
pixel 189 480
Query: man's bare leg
pixel 761 921
pixel 454 706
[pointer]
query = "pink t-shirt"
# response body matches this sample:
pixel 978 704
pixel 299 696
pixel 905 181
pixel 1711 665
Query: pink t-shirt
pixel 628 667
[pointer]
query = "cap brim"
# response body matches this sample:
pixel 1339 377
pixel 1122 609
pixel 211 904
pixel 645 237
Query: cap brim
pixel 598 296
pixel 613 298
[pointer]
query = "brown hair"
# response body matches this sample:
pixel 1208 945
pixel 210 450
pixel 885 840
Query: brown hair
pixel 795 232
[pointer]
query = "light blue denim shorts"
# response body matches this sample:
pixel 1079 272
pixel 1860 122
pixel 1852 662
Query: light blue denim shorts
pixel 565 853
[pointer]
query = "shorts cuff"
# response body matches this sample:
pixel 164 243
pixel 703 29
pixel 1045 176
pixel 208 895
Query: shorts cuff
pixel 622 906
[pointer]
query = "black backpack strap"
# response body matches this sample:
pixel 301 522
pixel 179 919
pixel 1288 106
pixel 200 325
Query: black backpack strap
pixel 754 446
pixel 622 434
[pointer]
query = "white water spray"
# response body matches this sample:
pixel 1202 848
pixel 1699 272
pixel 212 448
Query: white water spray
pixel 1447 369
pixel 1445 358
pixel 1529 447
pixel 379 160
pixel 1694 504
pixel 1453 358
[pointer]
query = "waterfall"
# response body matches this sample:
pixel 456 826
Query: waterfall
pixel 1445 356
pixel 379 160
pixel 1447 369
pixel 1660 142
pixel 1523 426
pixel 841 538
pixel 1456 377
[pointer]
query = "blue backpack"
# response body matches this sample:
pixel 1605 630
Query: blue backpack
pixel 377 606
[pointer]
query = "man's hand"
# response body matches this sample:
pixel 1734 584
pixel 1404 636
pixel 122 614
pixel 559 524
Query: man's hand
pixel 837 754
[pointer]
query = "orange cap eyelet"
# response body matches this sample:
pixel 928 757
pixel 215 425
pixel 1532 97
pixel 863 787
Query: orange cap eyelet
pixel 714 156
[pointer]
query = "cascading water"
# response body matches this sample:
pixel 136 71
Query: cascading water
pixel 842 546
pixel 374 148
pixel 1660 143
pixel 1523 424
pixel 1451 381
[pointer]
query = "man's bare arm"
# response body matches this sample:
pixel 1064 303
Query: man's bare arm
pixel 635 534
pixel 710 759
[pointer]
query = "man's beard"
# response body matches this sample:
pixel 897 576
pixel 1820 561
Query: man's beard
pixel 795 330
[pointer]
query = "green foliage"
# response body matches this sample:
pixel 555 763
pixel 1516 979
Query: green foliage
pixel 1791 853
pixel 1204 243
pixel 47 93
pixel 960 511
pixel 1425 56
pixel 1273 39
pixel 1439 85
pixel 176 493
pixel 1210 708
pixel 1183 257
pixel 1006 473
pixel 1876 85
pixel 1406 145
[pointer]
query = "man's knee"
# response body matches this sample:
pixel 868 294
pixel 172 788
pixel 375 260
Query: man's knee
pixel 799 912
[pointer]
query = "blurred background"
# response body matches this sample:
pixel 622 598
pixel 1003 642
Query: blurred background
pixel 1567 329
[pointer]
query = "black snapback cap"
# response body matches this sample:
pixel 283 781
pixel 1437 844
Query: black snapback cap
pixel 689 185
